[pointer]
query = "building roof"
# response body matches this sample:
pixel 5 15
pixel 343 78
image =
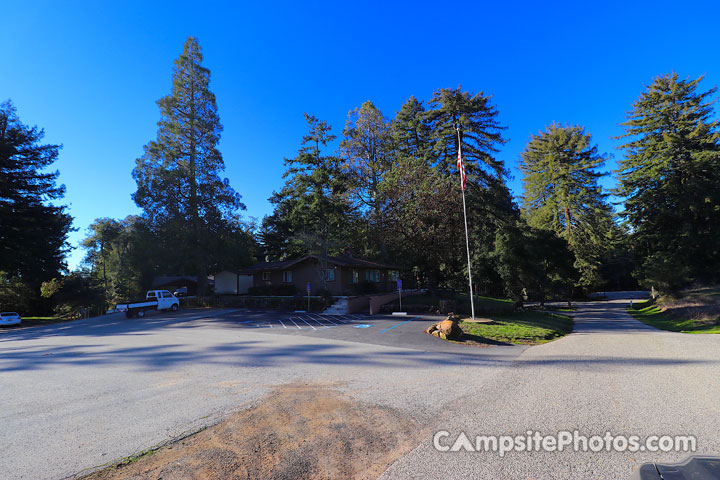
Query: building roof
pixel 342 261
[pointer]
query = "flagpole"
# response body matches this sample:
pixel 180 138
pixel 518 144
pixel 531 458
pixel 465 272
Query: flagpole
pixel 467 238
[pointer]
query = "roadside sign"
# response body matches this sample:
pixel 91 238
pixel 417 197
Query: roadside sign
pixel 308 292
pixel 399 285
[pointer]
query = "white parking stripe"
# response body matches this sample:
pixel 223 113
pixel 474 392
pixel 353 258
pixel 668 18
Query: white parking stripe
pixel 326 317
pixel 295 324
pixel 321 319
pixel 318 322
pixel 307 323
pixel 282 323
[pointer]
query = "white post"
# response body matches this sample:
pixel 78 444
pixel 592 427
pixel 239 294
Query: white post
pixel 467 240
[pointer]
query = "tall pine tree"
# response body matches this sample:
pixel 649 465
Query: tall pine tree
pixel 367 152
pixel 670 178
pixel 311 211
pixel 480 134
pixel 411 132
pixel 33 231
pixel 178 177
pixel 489 203
pixel 562 194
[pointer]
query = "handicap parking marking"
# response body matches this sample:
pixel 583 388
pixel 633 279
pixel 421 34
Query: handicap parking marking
pixel 401 323
pixel 362 325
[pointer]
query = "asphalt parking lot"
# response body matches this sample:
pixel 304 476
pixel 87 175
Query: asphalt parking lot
pixel 83 394
pixel 79 394
pixel 387 330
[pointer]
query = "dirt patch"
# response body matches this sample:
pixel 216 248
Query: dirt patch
pixel 297 432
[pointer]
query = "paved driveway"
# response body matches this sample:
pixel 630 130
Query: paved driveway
pixel 613 374
pixel 78 395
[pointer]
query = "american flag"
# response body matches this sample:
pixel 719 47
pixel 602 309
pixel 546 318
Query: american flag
pixel 461 169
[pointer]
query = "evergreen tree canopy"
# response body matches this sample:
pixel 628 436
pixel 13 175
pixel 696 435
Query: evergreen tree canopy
pixel 113 250
pixel 670 178
pixel 178 176
pixel 33 232
pixel 367 152
pixel 561 193
pixel 310 209
pixel 533 263
pixel 411 132
pixel 423 222
pixel 480 134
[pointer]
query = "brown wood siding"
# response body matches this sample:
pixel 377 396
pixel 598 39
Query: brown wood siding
pixel 308 271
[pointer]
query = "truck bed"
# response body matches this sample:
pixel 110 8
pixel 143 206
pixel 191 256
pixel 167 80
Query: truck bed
pixel 121 307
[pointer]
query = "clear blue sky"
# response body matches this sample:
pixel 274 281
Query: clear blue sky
pixel 89 73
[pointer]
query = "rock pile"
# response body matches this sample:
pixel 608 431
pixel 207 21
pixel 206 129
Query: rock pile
pixel 448 329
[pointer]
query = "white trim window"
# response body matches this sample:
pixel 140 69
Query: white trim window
pixel 394 275
pixel 355 277
pixel 266 276
pixel 329 274
pixel 287 276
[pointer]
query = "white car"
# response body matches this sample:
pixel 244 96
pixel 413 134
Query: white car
pixel 10 318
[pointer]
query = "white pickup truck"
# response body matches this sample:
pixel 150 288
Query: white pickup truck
pixel 154 300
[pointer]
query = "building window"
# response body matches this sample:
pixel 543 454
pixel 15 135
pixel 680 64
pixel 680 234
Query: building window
pixel 266 276
pixel 394 275
pixel 329 274
pixel 287 277
pixel 355 276
pixel 372 275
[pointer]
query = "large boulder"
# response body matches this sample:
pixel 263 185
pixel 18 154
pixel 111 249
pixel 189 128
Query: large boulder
pixel 448 329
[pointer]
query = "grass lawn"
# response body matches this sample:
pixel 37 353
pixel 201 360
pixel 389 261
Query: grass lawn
pixel 564 309
pixel 34 321
pixel 651 314
pixel 527 328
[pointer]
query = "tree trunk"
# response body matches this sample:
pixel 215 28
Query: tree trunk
pixel 197 254
pixel 568 226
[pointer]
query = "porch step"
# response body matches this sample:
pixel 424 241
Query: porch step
pixel 337 308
